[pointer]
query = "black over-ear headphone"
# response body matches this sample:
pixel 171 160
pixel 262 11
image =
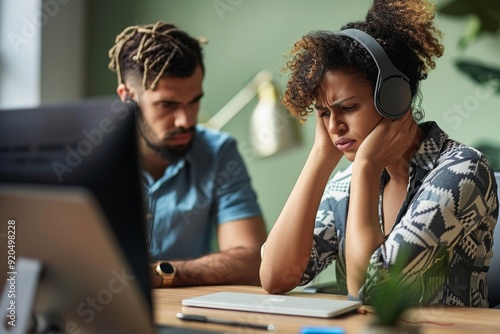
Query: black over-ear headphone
pixel 392 96
pixel 132 104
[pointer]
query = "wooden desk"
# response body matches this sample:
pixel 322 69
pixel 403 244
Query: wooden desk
pixel 438 319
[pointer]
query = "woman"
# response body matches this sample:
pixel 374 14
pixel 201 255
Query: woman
pixel 411 195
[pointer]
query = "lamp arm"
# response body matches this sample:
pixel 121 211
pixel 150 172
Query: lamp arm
pixel 239 101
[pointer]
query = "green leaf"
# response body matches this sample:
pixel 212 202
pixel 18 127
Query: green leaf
pixel 489 22
pixel 456 8
pixel 393 297
pixel 485 17
pixel 471 32
pixel 480 73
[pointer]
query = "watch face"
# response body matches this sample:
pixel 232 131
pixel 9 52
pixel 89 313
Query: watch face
pixel 166 268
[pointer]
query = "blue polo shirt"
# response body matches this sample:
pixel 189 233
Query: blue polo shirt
pixel 207 187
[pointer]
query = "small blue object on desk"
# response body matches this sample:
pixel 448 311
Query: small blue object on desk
pixel 322 330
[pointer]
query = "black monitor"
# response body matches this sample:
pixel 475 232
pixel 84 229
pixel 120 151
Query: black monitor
pixel 85 149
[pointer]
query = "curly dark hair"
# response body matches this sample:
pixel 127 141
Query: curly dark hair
pixel 404 28
pixel 147 53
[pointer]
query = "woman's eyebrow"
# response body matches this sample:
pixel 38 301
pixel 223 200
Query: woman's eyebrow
pixel 334 104
pixel 339 102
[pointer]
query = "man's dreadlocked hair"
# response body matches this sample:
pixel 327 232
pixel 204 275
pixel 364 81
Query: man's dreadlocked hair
pixel 153 51
pixel 404 28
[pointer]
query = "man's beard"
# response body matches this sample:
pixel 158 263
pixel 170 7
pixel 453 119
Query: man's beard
pixel 171 154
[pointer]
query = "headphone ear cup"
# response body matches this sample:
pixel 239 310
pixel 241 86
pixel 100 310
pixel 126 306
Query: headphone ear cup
pixel 393 97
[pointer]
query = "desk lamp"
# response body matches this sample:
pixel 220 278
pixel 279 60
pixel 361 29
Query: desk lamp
pixel 271 130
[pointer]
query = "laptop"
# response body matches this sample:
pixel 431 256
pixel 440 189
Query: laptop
pixel 276 304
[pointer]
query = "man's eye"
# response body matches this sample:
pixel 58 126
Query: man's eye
pixel 167 104
pixel 195 101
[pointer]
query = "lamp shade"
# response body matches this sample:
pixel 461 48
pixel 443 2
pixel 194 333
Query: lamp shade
pixel 271 129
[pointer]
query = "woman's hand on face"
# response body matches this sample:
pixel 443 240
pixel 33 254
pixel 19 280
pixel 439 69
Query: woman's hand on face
pixel 322 139
pixel 388 141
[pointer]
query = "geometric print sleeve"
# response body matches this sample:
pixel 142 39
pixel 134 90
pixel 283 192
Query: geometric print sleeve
pixel 329 224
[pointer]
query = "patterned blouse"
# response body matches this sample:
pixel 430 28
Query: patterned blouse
pixel 445 226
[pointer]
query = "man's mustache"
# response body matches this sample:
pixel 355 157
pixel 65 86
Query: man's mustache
pixel 177 131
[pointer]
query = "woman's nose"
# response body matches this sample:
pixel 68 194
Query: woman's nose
pixel 336 125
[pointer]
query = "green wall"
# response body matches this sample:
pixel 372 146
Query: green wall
pixel 246 36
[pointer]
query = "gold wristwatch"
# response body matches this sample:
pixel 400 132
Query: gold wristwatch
pixel 167 272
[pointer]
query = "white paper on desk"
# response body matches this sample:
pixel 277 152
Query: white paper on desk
pixel 276 304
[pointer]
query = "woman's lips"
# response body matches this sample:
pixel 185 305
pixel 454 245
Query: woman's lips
pixel 344 144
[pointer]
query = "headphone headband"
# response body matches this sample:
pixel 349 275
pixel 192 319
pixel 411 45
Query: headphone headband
pixel 392 96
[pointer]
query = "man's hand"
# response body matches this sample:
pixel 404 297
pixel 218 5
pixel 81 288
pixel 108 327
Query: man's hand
pixel 237 262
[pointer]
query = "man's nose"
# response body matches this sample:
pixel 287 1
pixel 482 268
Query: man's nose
pixel 184 117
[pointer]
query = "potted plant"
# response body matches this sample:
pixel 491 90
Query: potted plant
pixel 395 296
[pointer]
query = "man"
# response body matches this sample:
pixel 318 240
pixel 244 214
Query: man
pixel 195 179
